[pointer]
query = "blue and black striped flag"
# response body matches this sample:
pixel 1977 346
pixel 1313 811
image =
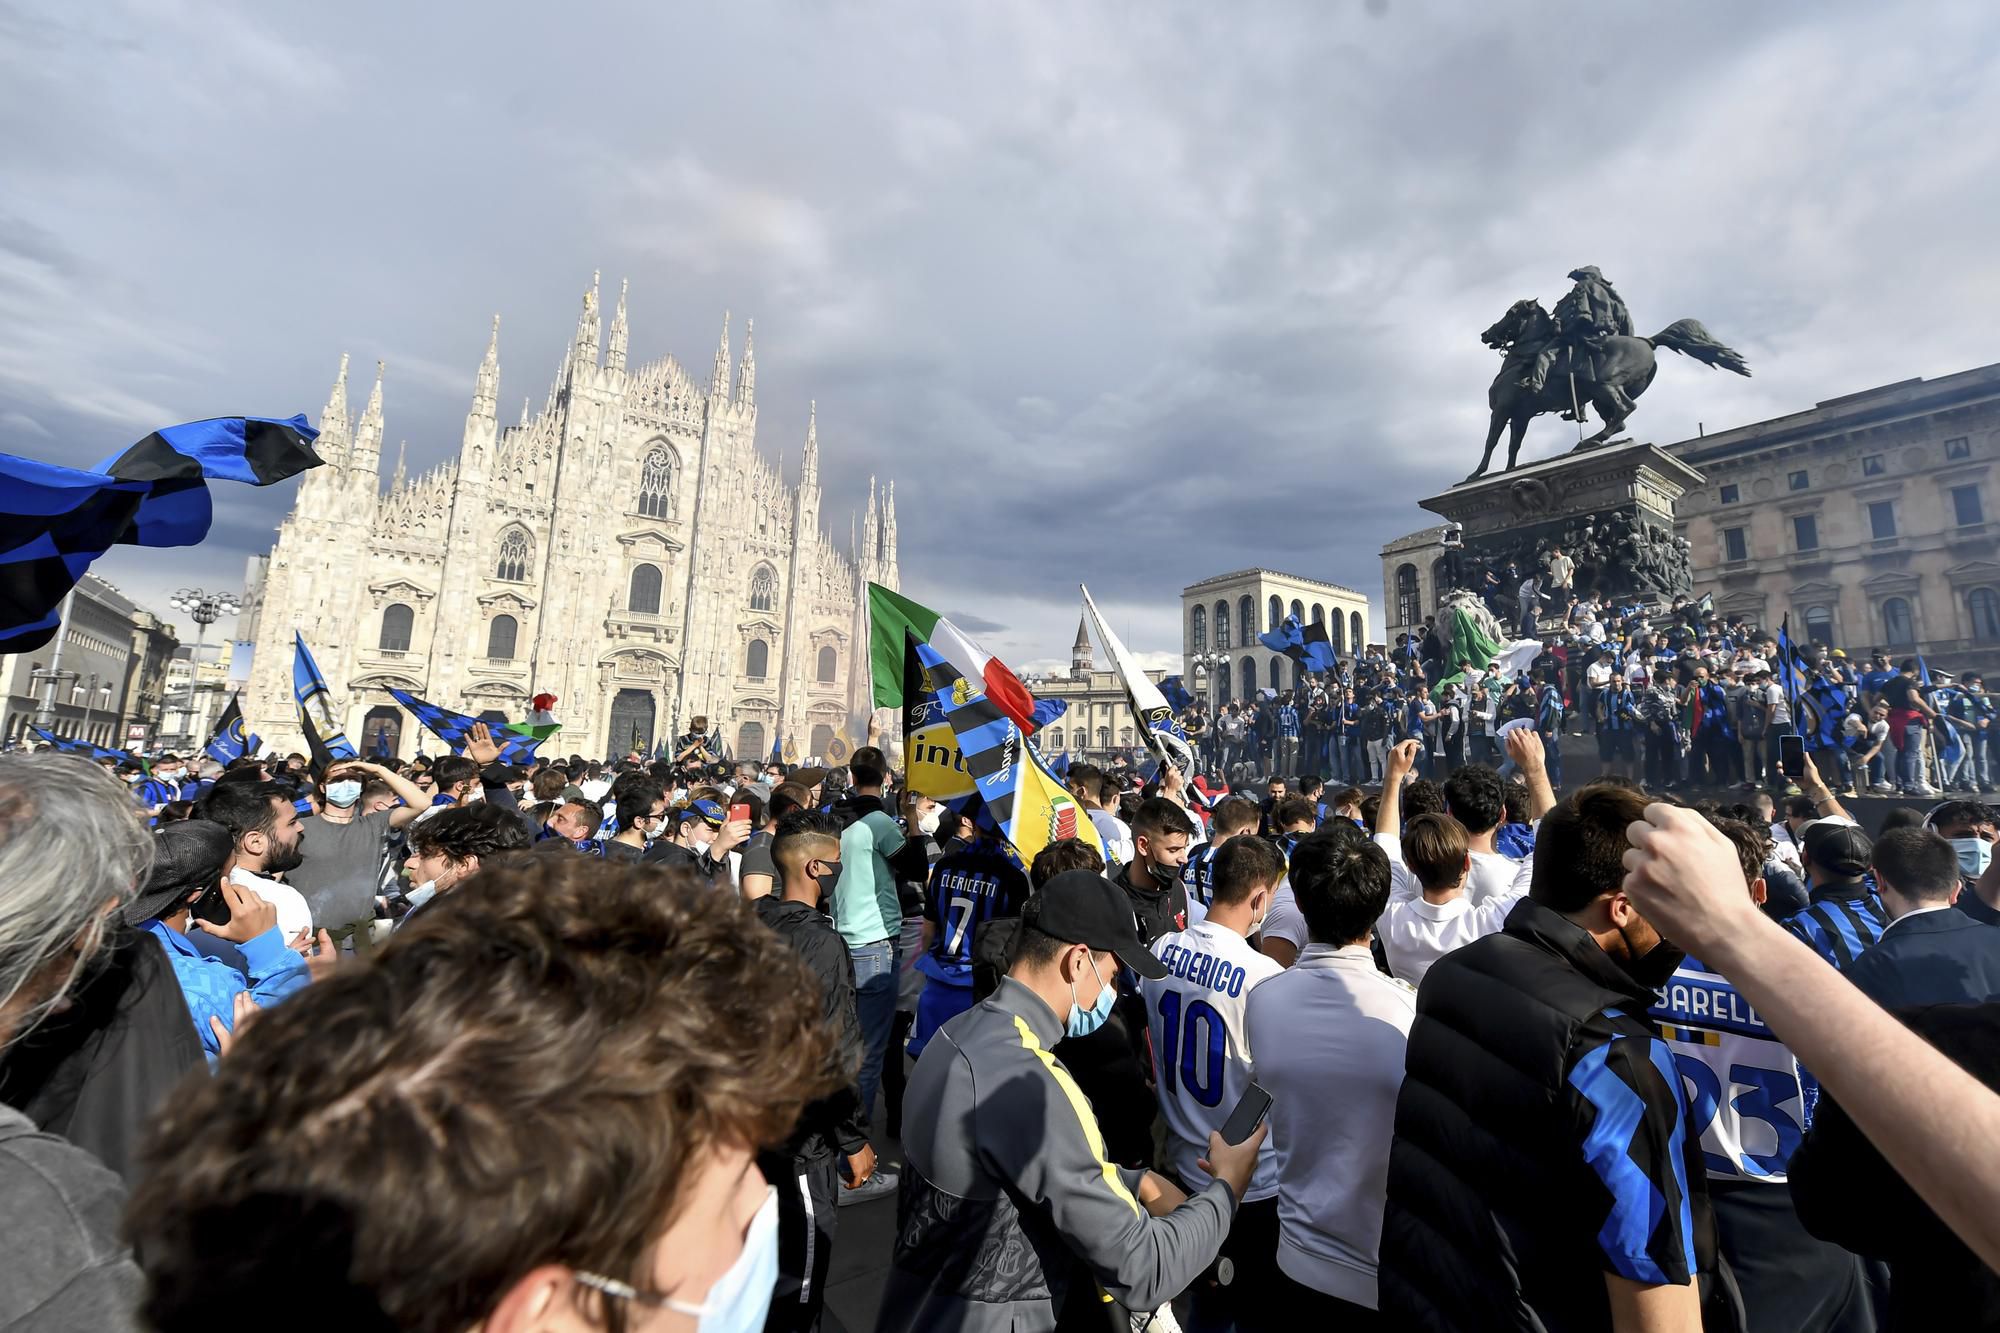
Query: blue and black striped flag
pixel 325 740
pixel 70 745
pixel 231 742
pixel 55 520
pixel 453 728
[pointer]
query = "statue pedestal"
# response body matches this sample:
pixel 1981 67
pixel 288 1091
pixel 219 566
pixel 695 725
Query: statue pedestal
pixel 1611 509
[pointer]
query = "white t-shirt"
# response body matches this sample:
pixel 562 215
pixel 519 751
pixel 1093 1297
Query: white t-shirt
pixel 1416 933
pixel 1331 1034
pixel 1201 1047
pixel 1283 920
pixel 293 914
pixel 1598 673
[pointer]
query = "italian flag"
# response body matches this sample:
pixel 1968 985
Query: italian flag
pixel 890 615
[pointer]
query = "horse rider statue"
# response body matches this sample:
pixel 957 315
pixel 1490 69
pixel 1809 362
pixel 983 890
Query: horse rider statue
pixel 1592 312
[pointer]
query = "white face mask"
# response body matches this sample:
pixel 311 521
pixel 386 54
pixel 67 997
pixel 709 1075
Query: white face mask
pixel 740 1300
pixel 423 893
pixel 929 821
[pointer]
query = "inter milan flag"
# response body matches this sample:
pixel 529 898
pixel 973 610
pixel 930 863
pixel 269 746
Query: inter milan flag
pixel 325 741
pixel 230 742
pixel 453 728
pixel 1790 666
pixel 1161 732
pixel 1174 690
pixel 1307 645
pixel 932 764
pixel 54 520
pixel 69 745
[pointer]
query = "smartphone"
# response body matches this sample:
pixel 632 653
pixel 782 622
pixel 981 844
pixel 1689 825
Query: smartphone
pixel 211 907
pixel 739 813
pixel 1792 755
pixel 1249 1113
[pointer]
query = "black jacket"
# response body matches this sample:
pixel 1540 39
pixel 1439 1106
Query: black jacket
pixel 1534 1146
pixel 1942 957
pixel 833 1124
pixel 1846 1193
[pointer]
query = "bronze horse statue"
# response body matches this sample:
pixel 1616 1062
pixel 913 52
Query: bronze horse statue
pixel 1608 376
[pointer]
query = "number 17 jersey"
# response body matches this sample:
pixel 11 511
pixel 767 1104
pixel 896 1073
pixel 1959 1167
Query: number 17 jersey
pixel 1201 1045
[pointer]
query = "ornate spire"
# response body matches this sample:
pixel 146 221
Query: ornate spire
pixel 486 392
pixel 619 333
pixel 809 462
pixel 333 418
pixel 402 454
pixel 1080 662
pixel 871 532
pixel 746 374
pixel 718 383
pixel 525 399
pixel 366 453
pixel 588 327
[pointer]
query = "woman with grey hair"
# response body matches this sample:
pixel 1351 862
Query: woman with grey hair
pixel 72 851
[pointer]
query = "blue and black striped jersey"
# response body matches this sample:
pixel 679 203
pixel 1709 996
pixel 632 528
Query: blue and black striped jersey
pixel 1840 929
pixel 966 888
pixel 1199 874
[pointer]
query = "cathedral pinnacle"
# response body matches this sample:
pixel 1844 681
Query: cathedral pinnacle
pixel 333 419
pixel 402 454
pixel 366 452
pixel 486 392
pixel 746 374
pixel 619 332
pixel 588 327
pixel 809 463
pixel 525 400
pixel 718 384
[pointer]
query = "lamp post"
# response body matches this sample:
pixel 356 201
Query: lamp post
pixel 204 608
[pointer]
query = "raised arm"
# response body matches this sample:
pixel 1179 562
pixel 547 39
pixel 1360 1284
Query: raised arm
pixel 1402 757
pixel 409 793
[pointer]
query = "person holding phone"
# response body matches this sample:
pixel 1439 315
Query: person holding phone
pixel 191 877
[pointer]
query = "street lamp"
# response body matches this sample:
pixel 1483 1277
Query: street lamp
pixel 204 608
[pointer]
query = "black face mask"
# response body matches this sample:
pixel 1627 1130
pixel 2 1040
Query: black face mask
pixel 827 879
pixel 1164 876
pixel 1654 968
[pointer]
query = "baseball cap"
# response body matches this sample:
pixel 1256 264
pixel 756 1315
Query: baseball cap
pixel 1838 850
pixel 806 777
pixel 188 855
pixel 709 811
pixel 1083 907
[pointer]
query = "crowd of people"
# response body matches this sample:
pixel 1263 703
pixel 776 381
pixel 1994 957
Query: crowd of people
pixel 1676 695
pixel 454 1043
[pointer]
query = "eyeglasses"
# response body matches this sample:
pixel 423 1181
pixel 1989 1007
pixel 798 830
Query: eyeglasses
pixel 625 1291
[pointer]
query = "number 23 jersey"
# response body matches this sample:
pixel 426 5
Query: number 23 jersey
pixel 1742 1084
pixel 1200 1038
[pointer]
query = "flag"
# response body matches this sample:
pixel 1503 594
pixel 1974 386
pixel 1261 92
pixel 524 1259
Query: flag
pixel 1305 644
pixel 88 750
pixel 891 615
pixel 1174 690
pixel 453 728
pixel 1468 646
pixel 1822 708
pixel 1790 666
pixel 1706 606
pixel 1047 711
pixel 1026 802
pixel 933 766
pixel 325 741
pixel 1923 672
pixel 57 520
pixel 229 742
pixel 1160 730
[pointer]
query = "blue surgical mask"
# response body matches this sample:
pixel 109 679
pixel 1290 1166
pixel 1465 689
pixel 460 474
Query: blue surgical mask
pixel 1974 855
pixel 343 793
pixel 740 1300
pixel 1083 1022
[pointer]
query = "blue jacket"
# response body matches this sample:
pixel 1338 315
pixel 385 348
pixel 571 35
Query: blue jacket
pixel 1941 957
pixel 271 972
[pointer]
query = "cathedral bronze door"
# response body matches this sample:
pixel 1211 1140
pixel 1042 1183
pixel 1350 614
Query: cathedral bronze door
pixel 631 722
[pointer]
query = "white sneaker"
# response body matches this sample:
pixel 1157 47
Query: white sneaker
pixel 879 1185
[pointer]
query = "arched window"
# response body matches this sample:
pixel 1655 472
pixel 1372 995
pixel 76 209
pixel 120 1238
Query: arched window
pixel 763 589
pixel 1246 619
pixel 757 661
pixel 1104 738
pixel 1198 630
pixel 500 638
pixel 397 622
pixel 1222 626
pixel 1298 674
pixel 750 741
pixel 1298 611
pixel 1249 671
pixel 516 554
pixel 1984 605
pixel 1819 625
pixel 1355 633
pixel 829 664
pixel 1409 602
pixel 1336 634
pixel 1223 680
pixel 1319 614
pixel 656 483
pixel 1052 740
pixel 1274 673
pixel 1898 630
pixel 1277 612
pixel 644 595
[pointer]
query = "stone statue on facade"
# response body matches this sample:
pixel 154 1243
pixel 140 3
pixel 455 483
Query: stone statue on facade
pixel 1583 355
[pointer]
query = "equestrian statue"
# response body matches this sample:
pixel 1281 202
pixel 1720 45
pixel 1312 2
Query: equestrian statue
pixel 1581 356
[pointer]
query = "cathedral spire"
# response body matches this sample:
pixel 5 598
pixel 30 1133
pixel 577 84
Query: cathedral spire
pixel 809 462
pixel 333 419
pixel 366 453
pixel 402 454
pixel 746 374
pixel 589 328
pixel 619 331
pixel 871 532
pixel 718 384
pixel 486 392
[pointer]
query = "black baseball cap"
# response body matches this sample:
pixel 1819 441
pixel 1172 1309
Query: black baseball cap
pixel 1838 851
pixel 1083 907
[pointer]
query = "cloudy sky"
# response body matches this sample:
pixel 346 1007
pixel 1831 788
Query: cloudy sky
pixel 1127 293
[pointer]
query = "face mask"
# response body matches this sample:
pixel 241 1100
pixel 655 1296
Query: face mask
pixel 1164 876
pixel 741 1297
pixel 827 878
pixel 928 823
pixel 1655 967
pixel 422 894
pixel 1974 855
pixel 343 794
pixel 1083 1022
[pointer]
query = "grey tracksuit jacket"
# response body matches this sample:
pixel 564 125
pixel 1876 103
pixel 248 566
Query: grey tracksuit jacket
pixel 1007 1200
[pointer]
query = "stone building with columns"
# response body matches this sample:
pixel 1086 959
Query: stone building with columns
pixel 625 547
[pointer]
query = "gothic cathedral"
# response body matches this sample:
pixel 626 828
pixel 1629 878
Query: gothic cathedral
pixel 625 549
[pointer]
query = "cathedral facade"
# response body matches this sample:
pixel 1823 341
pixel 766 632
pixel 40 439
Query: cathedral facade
pixel 626 549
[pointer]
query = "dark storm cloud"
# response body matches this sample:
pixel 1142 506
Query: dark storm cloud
pixel 1130 295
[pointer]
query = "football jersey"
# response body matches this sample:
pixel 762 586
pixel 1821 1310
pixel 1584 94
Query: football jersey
pixel 1743 1088
pixel 1201 1045
pixel 968 888
pixel 1199 874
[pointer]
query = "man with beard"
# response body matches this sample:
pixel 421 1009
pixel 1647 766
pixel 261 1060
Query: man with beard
pixel 270 840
